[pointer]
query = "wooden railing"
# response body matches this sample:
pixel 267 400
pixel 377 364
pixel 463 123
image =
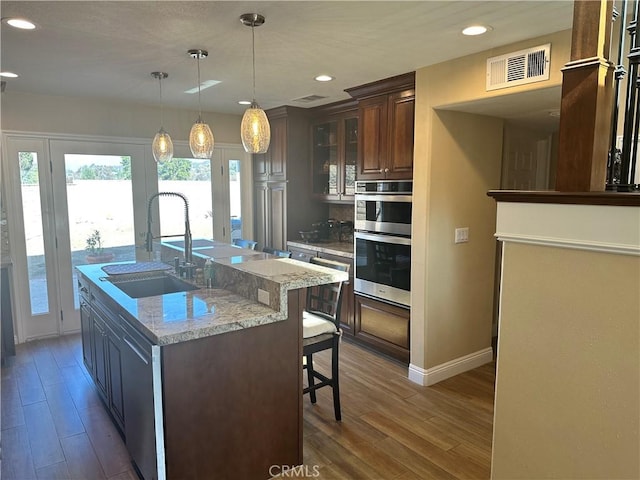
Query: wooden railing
pixel 622 163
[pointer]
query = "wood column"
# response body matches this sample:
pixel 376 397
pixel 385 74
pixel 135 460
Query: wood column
pixel 587 96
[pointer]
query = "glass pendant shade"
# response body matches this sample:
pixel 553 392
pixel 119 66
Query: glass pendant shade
pixel 255 130
pixel 162 147
pixel 201 140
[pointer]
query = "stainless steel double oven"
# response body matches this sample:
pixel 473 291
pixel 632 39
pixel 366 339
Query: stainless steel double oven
pixel 382 237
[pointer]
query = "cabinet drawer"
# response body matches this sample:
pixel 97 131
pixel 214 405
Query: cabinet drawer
pixel 383 326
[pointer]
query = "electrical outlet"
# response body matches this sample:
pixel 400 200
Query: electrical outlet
pixel 263 296
pixel 462 235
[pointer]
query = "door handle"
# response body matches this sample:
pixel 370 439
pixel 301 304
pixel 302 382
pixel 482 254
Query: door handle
pixel 136 351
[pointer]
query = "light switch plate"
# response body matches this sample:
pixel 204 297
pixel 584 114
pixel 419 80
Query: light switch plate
pixel 462 235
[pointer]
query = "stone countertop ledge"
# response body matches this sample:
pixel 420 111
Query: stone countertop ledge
pixel 232 305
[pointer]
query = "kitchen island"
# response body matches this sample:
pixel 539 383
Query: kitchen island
pixel 205 383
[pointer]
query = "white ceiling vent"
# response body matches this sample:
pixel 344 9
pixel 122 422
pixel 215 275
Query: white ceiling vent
pixel 517 68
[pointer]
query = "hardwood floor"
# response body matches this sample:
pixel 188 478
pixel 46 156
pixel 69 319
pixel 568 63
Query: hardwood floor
pixel 55 427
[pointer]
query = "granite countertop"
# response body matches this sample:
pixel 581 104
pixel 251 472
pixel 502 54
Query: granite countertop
pixel 182 316
pixel 341 249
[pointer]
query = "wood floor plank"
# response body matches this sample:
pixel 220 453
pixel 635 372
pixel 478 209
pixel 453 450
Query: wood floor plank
pixel 106 441
pixel 46 366
pixel 17 461
pixel 63 410
pixel 392 429
pixel 421 467
pixel 336 455
pixel 29 384
pixel 57 471
pixel 81 459
pixel 82 392
pixel 43 437
pixel 11 414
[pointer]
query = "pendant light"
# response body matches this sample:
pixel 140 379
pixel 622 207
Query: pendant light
pixel 162 145
pixel 254 130
pixel 200 137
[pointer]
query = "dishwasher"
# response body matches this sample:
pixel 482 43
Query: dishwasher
pixel 142 403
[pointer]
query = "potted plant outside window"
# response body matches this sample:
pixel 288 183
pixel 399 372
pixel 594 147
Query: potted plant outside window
pixel 95 250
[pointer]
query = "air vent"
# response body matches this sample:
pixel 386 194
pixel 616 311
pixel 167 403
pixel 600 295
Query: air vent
pixel 309 98
pixel 517 68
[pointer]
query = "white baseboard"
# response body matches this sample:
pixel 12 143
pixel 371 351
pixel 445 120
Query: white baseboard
pixel 449 369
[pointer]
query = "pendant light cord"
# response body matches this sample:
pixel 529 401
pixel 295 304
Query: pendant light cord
pixel 199 101
pixel 161 105
pixel 253 53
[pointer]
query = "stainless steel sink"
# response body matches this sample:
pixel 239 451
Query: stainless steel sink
pixel 151 286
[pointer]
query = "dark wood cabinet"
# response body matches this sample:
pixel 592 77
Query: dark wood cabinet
pixel 272 165
pixel 283 204
pixel 383 326
pixel 101 349
pixel 386 128
pixel 270 212
pixel 334 152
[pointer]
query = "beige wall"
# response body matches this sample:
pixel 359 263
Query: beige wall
pixel 457 158
pixel 82 116
pixel 568 384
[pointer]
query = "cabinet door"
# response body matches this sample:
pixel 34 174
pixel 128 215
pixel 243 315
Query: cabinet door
pixel 372 141
pixel 116 401
pixel 100 359
pixel 260 215
pixel 349 158
pixel 87 334
pixel 260 166
pixel 326 162
pixel 401 123
pixel 277 166
pixel 277 216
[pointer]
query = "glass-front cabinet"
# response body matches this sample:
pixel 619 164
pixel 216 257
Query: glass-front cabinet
pixel 335 152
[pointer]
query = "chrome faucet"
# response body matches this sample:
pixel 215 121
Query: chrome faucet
pixel 187 229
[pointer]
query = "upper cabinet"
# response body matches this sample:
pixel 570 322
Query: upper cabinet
pixel 334 151
pixel 385 131
pixel 272 165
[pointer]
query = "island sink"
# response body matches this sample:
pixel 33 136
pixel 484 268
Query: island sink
pixel 159 284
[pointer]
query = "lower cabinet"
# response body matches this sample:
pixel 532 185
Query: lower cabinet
pixel 383 327
pixel 101 351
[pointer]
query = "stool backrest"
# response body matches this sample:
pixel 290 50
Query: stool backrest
pixel 326 300
pixel 279 253
pixel 250 244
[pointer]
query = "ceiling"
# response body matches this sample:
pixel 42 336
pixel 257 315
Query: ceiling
pixel 108 49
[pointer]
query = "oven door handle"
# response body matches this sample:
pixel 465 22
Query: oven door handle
pixel 382 238
pixel 383 198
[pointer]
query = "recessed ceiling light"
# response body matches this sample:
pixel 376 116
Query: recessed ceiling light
pixel 244 102
pixel 8 74
pixel 21 23
pixel 476 30
pixel 324 78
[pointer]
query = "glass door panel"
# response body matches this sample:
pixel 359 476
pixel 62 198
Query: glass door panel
pixel 99 210
pixel 325 159
pixel 33 233
pixel 192 178
pixel 235 198
pixel 350 155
